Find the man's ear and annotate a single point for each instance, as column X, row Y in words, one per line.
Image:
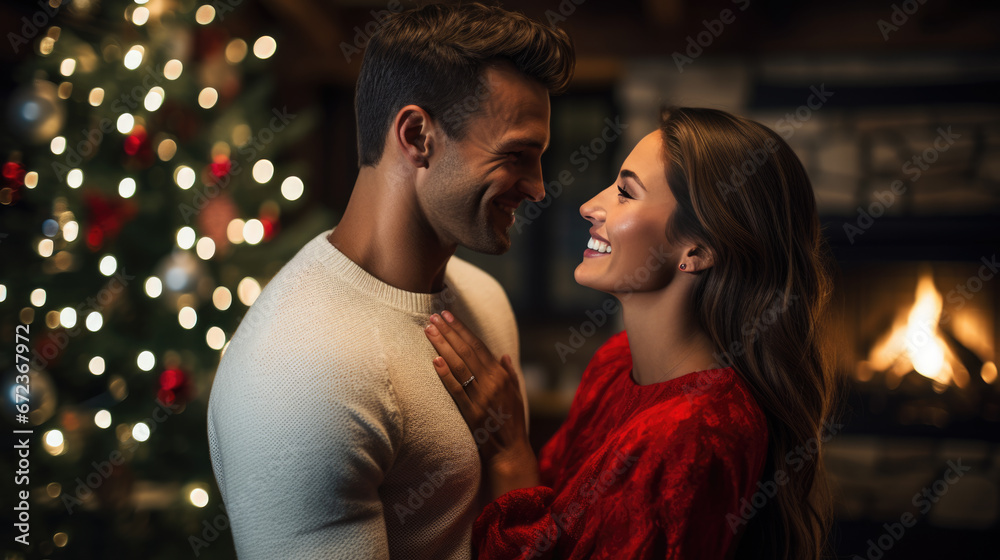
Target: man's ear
column 696, row 258
column 414, row 134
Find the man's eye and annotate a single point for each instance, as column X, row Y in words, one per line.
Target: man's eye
column 623, row 192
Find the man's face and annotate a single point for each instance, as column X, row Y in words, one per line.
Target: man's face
column 473, row 186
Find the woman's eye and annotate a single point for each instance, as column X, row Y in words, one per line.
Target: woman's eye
column 623, row 192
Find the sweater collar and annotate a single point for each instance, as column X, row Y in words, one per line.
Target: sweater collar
column 355, row 276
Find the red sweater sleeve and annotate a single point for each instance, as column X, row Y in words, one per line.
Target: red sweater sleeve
column 511, row 525
column 687, row 505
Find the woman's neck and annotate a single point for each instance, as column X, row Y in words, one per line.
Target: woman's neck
column 663, row 335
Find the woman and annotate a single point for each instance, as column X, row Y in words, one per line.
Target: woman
column 697, row 432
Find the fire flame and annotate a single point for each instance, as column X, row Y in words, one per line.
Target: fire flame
column 915, row 344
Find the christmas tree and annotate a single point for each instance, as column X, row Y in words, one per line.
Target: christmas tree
column 140, row 215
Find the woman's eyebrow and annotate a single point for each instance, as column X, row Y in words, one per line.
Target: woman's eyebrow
column 631, row 175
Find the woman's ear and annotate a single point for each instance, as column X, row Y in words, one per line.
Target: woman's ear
column 413, row 132
column 696, row 259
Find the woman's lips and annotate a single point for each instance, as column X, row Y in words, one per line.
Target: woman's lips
column 597, row 248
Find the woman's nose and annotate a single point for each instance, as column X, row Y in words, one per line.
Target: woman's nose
column 593, row 209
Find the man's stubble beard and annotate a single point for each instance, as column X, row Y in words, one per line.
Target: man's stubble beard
column 462, row 211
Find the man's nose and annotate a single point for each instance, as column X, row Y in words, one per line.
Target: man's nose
column 533, row 186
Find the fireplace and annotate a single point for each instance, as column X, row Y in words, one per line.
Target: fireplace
column 919, row 337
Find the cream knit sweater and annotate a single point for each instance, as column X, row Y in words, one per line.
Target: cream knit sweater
column 330, row 434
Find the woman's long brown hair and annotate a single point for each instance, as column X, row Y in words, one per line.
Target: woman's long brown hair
column 743, row 195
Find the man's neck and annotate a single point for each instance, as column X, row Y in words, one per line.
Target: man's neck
column 384, row 232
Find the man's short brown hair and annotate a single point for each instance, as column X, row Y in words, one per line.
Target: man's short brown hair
column 434, row 57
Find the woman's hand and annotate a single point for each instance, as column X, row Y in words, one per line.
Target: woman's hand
column 488, row 394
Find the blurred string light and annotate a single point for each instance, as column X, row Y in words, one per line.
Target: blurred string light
column 253, row 231
column 96, row 365
column 54, row 442
column 234, row 231
column 187, row 317
column 58, row 145
column 31, row 179
column 145, row 360
column 126, row 188
column 67, row 317
column 247, row 290
column 37, row 297
column 133, row 58
column 140, row 15
column 236, row 51
column 108, row 265
column 205, row 14
column 292, row 188
column 207, row 98
column 205, row 248
column 264, row 47
column 96, row 97
column 172, row 69
column 74, row 178
column 94, row 321
column 45, row 248
column 215, row 338
column 102, row 419
column 263, row 170
column 184, row 176
column 166, row 150
column 71, row 230
column 198, row 497
column 46, row 45
column 153, row 99
column 222, row 298
column 125, row 124
column 153, row 287
column 67, row 66
column 65, row 90
column 140, row 431
column 185, row 237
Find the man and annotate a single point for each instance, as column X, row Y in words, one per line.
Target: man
column 331, row 435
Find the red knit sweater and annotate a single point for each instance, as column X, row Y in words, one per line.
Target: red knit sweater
column 637, row 471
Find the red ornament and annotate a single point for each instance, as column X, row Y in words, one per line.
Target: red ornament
column 132, row 144
column 105, row 217
column 270, row 220
column 270, row 227
column 220, row 166
column 95, row 238
column 13, row 179
column 175, row 387
column 14, row 173
column 137, row 145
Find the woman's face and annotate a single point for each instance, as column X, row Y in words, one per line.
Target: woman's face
column 628, row 246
